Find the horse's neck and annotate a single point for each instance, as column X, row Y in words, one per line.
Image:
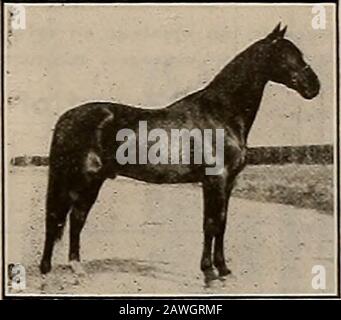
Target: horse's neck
column 237, row 91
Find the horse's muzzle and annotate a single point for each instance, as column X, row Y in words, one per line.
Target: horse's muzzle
column 308, row 83
column 311, row 92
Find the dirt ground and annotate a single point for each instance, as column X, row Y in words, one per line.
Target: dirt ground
column 147, row 239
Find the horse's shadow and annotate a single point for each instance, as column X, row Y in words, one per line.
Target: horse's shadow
column 62, row 275
column 117, row 265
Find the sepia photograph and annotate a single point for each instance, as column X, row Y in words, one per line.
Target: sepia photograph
column 170, row 150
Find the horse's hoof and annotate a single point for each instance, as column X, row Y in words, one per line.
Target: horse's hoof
column 45, row 267
column 224, row 271
column 210, row 275
column 77, row 268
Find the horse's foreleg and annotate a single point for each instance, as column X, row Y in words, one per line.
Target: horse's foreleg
column 83, row 200
column 219, row 257
column 214, row 189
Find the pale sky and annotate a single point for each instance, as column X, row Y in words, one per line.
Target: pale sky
column 152, row 56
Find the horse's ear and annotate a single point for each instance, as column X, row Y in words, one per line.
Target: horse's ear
column 282, row 32
column 277, row 33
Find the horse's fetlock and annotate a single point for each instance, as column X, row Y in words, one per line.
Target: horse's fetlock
column 206, row 264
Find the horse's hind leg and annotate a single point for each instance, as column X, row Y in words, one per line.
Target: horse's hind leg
column 83, row 200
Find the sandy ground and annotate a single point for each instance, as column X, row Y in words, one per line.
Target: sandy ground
column 143, row 238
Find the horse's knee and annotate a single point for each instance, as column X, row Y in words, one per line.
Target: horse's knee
column 214, row 226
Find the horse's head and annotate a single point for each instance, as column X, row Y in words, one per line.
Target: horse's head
column 287, row 66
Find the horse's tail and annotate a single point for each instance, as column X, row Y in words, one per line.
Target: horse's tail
column 58, row 198
column 58, row 202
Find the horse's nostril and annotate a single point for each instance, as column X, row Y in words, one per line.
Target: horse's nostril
column 316, row 87
column 313, row 91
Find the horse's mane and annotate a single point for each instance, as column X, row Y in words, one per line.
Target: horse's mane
column 240, row 68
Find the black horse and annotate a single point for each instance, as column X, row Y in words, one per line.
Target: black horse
column 82, row 154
